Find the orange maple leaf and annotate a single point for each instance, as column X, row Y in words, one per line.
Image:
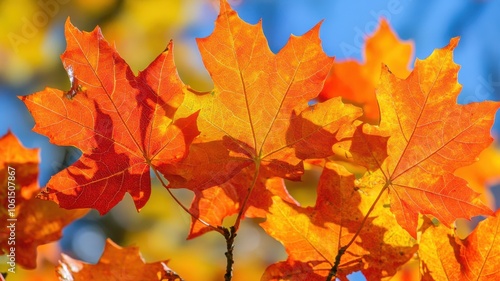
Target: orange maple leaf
column 122, row 123
column 115, row 264
column 356, row 83
column 33, row 221
column 257, row 116
column 445, row 257
column 313, row 236
column 430, row 137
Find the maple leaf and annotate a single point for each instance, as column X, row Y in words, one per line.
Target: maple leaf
column 115, row 264
column 312, row 236
column 123, row 124
column 430, row 137
column 445, row 257
column 34, row 221
column 356, row 83
column 437, row 245
column 253, row 116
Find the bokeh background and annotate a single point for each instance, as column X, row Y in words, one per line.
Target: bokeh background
column 32, row 39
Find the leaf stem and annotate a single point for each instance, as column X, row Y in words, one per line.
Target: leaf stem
column 230, row 233
column 247, row 197
column 184, row 207
column 197, row 92
column 333, row 271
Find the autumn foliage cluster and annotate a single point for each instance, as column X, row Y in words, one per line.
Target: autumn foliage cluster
column 387, row 141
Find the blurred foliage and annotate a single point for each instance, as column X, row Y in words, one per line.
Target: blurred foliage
column 34, row 37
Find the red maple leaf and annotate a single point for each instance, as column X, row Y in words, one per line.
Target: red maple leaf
column 123, row 124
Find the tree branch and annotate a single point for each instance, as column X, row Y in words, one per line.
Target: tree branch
column 247, row 197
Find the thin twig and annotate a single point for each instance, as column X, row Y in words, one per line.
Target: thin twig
column 342, row 250
column 229, row 234
column 184, row 207
column 197, row 92
column 333, row 270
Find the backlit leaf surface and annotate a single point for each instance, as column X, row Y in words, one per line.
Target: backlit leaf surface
column 312, row 236
column 430, row 137
column 256, row 116
column 115, row 264
column 122, row 123
column 445, row 257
